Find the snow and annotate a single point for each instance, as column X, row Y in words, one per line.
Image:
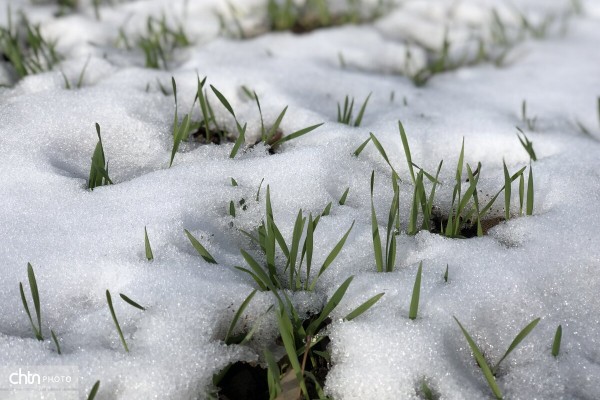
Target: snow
column 83, row 242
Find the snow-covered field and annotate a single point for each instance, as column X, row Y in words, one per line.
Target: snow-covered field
column 81, row 242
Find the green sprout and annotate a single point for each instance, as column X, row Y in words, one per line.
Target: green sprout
column 99, row 169
column 414, row 302
column 344, row 116
column 556, row 341
column 148, row 248
column 35, row 295
column 114, row 317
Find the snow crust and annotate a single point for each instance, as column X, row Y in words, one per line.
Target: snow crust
column 82, row 243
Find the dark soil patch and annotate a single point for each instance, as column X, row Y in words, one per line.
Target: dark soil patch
column 244, row 381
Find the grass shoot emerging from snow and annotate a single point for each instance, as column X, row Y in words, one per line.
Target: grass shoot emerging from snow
column 30, row 53
column 99, row 169
column 345, row 116
column 114, row 317
column 490, row 372
column 35, row 295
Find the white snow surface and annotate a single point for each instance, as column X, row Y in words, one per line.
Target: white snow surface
column 83, row 242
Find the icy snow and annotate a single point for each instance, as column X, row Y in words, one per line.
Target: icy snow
column 82, row 243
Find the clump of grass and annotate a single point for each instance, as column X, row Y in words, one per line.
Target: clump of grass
column 99, row 169
column 208, row 131
column 35, row 295
column 114, row 317
column 160, row 41
column 296, row 253
column 344, row 115
column 465, row 215
column 490, row 372
column 303, row 341
column 28, row 53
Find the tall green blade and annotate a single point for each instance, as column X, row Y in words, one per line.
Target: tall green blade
column 335, row 299
column 507, row 188
column 236, row 317
column 361, row 112
column 375, row 231
column 114, row 317
column 556, row 342
column 223, row 100
column 275, row 126
column 332, row 255
column 487, row 372
column 517, row 340
column 406, row 150
column 529, row 209
column 414, row 302
column 36, row 297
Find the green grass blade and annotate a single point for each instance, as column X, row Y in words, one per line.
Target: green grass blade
column 131, row 302
column 517, row 340
column 361, row 112
column 342, row 200
column 381, row 150
column 446, row 274
column 114, row 317
column 529, row 207
column 148, row 248
column 296, row 236
column 507, row 187
column 332, row 255
column 556, row 342
column 232, row 209
column 36, row 298
column 236, row 317
column 363, row 307
column 296, row 134
column 241, row 139
column 275, row 126
column 223, row 100
column 521, row 194
column 258, row 280
column 487, row 372
column 309, row 245
column 287, row 336
column 199, row 248
column 55, row 342
column 273, row 375
column 95, row 388
column 335, row 299
column 233, row 182
column 24, row 300
column 414, row 302
column 406, row 150
column 361, row 147
column 375, row 231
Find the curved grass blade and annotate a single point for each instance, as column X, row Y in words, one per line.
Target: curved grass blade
column 363, row 307
column 375, row 231
column 406, row 150
column 507, row 187
column 335, row 299
column 296, row 134
column 239, row 141
column 332, row 255
column 361, row 147
column 518, row 339
column 131, row 302
column 258, row 281
column 236, row 317
column 199, row 248
column 487, row 372
column 114, row 317
column 414, row 302
column 361, row 113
